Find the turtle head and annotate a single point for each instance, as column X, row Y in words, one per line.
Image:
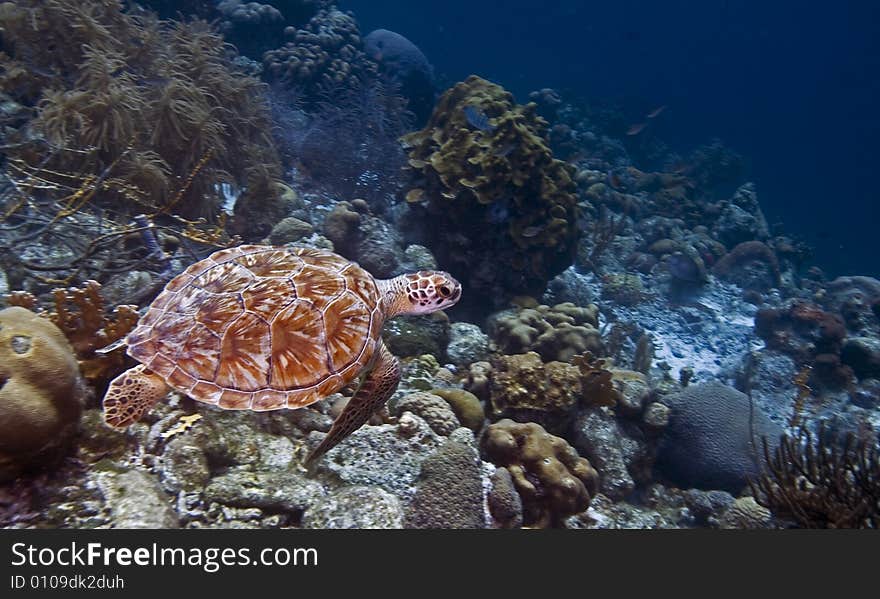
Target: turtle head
column 421, row 293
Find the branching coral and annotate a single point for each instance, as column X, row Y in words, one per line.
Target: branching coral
column 745, row 253
column 502, row 210
column 820, row 483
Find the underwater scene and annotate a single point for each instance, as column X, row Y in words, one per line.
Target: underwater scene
column 375, row 264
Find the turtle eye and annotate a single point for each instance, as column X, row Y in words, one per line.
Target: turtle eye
column 444, row 291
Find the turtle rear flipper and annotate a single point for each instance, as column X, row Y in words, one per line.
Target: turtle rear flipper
column 131, row 394
column 378, row 386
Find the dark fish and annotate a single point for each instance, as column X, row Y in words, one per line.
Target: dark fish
column 477, row 118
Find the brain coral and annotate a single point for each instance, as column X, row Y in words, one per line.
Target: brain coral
column 502, row 210
column 41, row 392
column 552, row 479
column 713, row 440
column 524, row 388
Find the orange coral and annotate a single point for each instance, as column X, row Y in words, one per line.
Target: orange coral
column 81, row 315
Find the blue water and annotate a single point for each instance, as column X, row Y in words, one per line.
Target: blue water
column 792, row 86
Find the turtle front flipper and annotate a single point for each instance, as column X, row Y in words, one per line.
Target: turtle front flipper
column 131, row 394
column 378, row 385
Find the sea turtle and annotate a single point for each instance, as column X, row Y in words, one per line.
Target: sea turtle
column 264, row 328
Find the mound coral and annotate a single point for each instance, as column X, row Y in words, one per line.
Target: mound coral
column 820, row 483
column 502, row 210
column 556, row 333
column 323, row 53
column 552, row 479
column 154, row 112
column 713, row 438
column 449, row 491
column 81, row 314
column 809, row 335
column 524, row 388
column 41, row 393
column 730, row 267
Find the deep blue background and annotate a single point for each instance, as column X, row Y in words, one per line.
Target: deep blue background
column 793, row 86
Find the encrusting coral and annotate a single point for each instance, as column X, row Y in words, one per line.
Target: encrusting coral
column 325, row 52
column 148, row 107
column 41, row 393
column 525, row 388
column 500, row 207
column 552, row 479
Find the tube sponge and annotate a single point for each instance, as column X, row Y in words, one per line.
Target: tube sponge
column 41, row 393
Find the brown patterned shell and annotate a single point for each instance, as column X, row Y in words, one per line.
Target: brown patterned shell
column 261, row 328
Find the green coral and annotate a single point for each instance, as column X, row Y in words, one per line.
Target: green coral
column 553, row 481
column 493, row 192
column 41, row 393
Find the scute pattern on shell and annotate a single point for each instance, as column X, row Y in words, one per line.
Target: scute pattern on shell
column 261, row 328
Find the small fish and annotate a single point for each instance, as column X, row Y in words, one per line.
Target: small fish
column 477, row 118
column 529, row 232
column 656, row 112
column 636, row 129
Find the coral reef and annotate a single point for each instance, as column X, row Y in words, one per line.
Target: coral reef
column 467, row 344
column 497, row 205
column 41, row 393
column 505, row 504
column 810, row 336
column 156, row 113
column 552, row 480
column 736, row 264
column 433, row 409
column 466, row 406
